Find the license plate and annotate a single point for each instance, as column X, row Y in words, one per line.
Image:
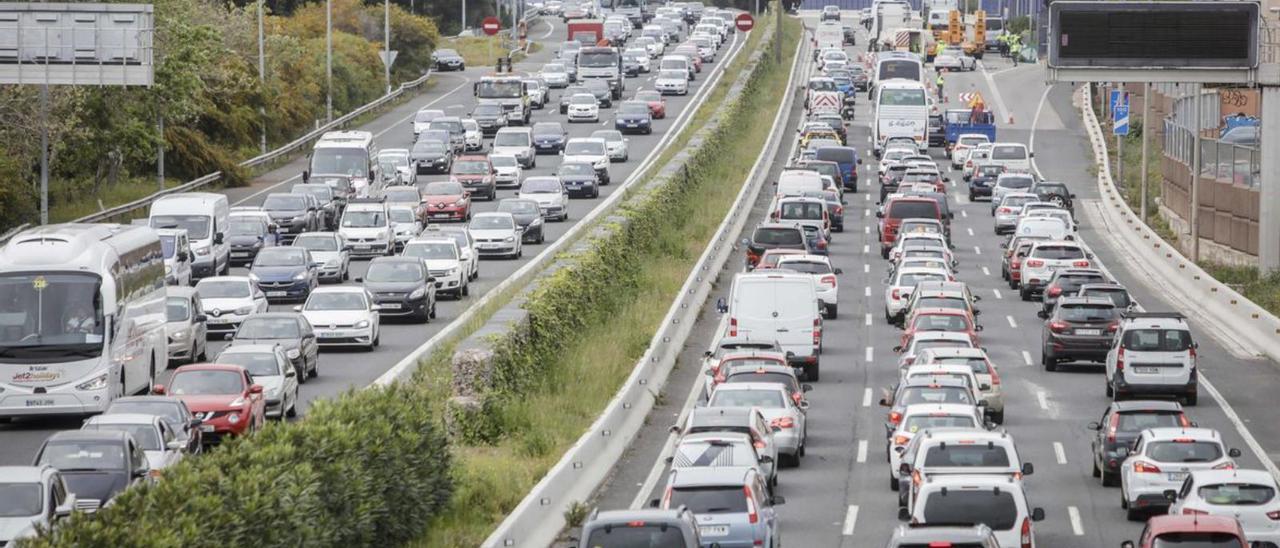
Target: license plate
column 329, row 335
column 713, row 530
column 206, row 428
column 1146, row 370
column 1088, row 332
column 488, row 246
column 240, row 254
column 632, row 124
column 390, row 306
column 364, row 247
column 1177, row 476
column 40, row 402
column 217, row 321
column 277, row 293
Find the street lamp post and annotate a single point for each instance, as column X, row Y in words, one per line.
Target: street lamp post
column 328, row 60
column 262, row 78
column 386, row 42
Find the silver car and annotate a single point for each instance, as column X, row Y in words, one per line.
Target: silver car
column 154, row 434
column 331, row 256
column 270, row 368
column 1008, row 208
column 185, row 325
column 784, row 414
column 731, row 504
column 724, row 449
column 614, row 142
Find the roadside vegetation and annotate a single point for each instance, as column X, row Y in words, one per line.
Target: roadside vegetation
column 556, row 403
column 481, row 51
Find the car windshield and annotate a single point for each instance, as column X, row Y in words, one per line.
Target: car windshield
column 222, row 289
column 402, row 194
column 20, row 500
column 177, row 309
column 1008, row 152
column 316, row 243
column 672, row 74
column 1157, row 340
column 246, row 227
column 197, row 226
column 1184, row 451
column 967, row 454
column 424, row 116
column 912, row 395
column 765, row 399
column 269, row 328
column 429, row 147
column 281, row 256
column 168, row 246
column 284, row 202
column 994, row 507
column 803, row 210
column 1087, row 313
column 1057, row 252
column 648, row 96
column 487, row 110
column 321, row 192
column 1236, row 494
column 902, row 97
column 364, row 219
column 547, row 129
column 1018, row 183
column 584, row 148
column 710, row 500
column 1118, row 296
column 443, row 189
column 401, row 215
column 434, row 250
column 395, row 271
column 492, row 222
column 259, row 364
column 83, row 455
column 169, row 411
column 1196, row 540
column 553, row 68
column 519, row 207
column 575, row 169
column 582, row 99
column 989, row 171
column 609, row 135
column 451, row 126
column 778, row 237
column 511, row 139
column 540, row 186
column 916, row 423
column 788, row 381
column 198, row 382
column 499, row 160
column 337, row 300
column 145, row 434
column 942, row 302
column 911, row 279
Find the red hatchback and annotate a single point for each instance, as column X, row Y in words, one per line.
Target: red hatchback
column 1202, row 531
column 657, row 104
column 223, row 397
column 950, row 320
column 447, row 201
column 903, row 208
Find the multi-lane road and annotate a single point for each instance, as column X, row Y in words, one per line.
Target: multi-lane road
column 452, row 92
column 840, row 496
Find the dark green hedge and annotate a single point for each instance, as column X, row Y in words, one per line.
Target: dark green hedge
column 366, row 469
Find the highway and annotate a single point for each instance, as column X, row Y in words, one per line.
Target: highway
column 840, row 496
column 450, row 91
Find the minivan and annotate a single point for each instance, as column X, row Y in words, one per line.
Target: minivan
column 518, row 142
column 778, row 305
column 177, row 256
column 205, row 216
column 1013, row 156
column 847, row 159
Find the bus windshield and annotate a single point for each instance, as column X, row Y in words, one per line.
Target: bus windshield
column 902, row 97
column 344, row 161
column 49, row 317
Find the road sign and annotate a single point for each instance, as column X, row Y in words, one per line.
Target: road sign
column 744, row 21
column 382, row 54
column 491, row 25
column 1119, row 112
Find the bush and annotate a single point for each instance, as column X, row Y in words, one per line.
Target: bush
column 365, row 469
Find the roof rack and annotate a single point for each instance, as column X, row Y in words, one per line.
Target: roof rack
column 1136, row 315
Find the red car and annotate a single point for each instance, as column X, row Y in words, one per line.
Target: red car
column 223, row 397
column 657, row 104
column 951, row 320
column 477, row 176
column 896, row 210
column 770, row 257
column 447, row 201
column 1198, row 530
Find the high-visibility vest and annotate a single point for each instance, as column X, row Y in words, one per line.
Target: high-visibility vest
column 940, row 81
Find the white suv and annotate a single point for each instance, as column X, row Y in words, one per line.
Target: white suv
column 956, row 451
column 444, row 261
column 1044, row 258
column 1152, row 353
column 366, row 228
column 1161, row 459
column 997, row 501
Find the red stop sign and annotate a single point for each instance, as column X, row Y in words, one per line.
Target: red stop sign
column 491, row 25
column 744, row 21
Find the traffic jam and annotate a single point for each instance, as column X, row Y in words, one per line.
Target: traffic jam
column 203, row 320
column 951, row 464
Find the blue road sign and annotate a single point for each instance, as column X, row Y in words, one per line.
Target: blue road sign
column 1119, row 112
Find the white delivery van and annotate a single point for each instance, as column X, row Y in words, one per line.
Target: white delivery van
column 778, row 306
column 796, row 182
column 176, row 247
column 828, row 36
column 1014, row 157
column 205, row 216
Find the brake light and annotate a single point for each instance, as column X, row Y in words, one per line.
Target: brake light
column 901, row 440
column 1055, row 291
column 1225, row 466
column 1081, row 264
column 1274, row 515
column 995, row 377
column 1026, row 533
column 759, row 444
column 895, row 417
column 895, row 295
column 1111, row 428
column 733, row 327
column 1004, row 210
column 637, row 523
column 795, row 397
column 828, row 280
column 752, row 514
column 1193, row 512
column 1035, row 263
column 1113, row 326
column 783, row 422
column 1143, row 467
column 839, row 210
column 822, row 244
column 1057, row 326
column 1120, row 360
column 666, row 498
column 1016, row 264
column 817, row 332
column 1182, row 419
column 1192, row 352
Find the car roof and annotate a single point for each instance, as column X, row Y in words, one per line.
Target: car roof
column 922, row 533
column 123, row 418
column 180, row 291
column 952, row 433
column 88, row 435
column 939, row 335
column 1075, row 299
column 1234, row 475
column 721, row 416
column 939, row 311
column 1131, row 406
column 1169, row 523
column 1155, row 320
column 148, row 399
column 983, row 481
column 751, row 386
column 645, row 514
column 1174, row 432
column 338, row 289
column 736, row 437
column 709, row 476
column 937, row 382
column 753, row 354
column 947, row 408
column 209, row 367
column 248, row 348
column 241, row 279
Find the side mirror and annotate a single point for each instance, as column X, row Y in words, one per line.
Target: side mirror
column 290, row 372
column 229, row 337
column 217, row 238
column 1037, row 514
column 806, row 387
column 255, row 389
column 777, row 500
column 182, row 256
column 804, row 404
column 879, row 214
column 305, row 175
column 1028, row 469
column 297, row 308
column 358, row 279
column 1095, row 426
column 1042, row 314
column 884, row 402
column 1170, row 495
column 140, row 472
column 194, row 423
column 766, row 459
column 839, row 271
column 904, row 514
column 977, row 328
column 158, row 390
column 200, row 318
column 174, row 445
column 722, row 307
column 982, row 403
column 654, row 503
column 1233, row 453
column 897, row 348
column 64, row 509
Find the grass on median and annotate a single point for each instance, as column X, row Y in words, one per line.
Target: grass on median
column 479, row 51
column 491, row 480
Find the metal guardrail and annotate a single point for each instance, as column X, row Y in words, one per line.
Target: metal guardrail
column 13, row 232
column 291, row 147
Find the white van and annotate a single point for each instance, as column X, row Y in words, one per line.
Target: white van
column 794, row 182
column 345, row 154
column 518, row 142
column 205, row 216
column 366, row 228
column 782, row 307
column 1014, row 157
column 177, row 256
column 829, row 35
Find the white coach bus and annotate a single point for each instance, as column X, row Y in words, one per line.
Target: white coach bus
column 82, row 314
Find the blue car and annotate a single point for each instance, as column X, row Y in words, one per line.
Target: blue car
column 285, row 273
column 847, row 159
column 633, row 117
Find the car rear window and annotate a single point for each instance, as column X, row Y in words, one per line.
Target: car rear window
column 1157, row 340
column 998, row 510
column 710, row 500
column 920, row 422
column 978, row 365
column 841, row 155
column 1071, row 282
column 907, row 209
column 765, row 399
column 1196, row 540
column 778, row 236
column 1184, row 451
column 942, row 302
column 788, row 381
column 1119, row 297
column 1058, row 252
column 803, row 210
column 1139, row 421
column 949, row 544
column 807, row 267
column 934, row 394
column 1087, row 313
column 967, row 454
column 1008, row 152
column 1016, row 182
column 1236, row 494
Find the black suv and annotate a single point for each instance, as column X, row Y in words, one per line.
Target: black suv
column 1066, row 282
column 1080, row 328
column 1053, row 191
column 1120, row 426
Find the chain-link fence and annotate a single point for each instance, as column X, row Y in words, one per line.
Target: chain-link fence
column 1239, row 164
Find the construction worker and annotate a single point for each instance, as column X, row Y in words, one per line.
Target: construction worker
column 1015, row 50
column 1003, row 40
column 937, row 49
column 940, row 81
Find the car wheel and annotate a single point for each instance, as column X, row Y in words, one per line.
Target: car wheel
column 813, row 372
column 893, row 482
column 1191, row 400
column 466, row 289
column 293, row 407
column 833, row 310
column 1050, row 363
column 432, row 312
column 301, row 372
column 1024, row 294
column 1108, row 479
column 1097, row 472
column 1110, row 391
column 998, row 417
column 315, row 368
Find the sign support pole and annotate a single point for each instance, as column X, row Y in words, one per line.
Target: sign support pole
column 1195, row 178
column 1269, row 193
column 44, row 154
column 1146, row 130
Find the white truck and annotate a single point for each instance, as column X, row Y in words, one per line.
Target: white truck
column 828, row 35
column 887, row 15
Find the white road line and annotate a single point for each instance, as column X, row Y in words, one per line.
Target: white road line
column 1031, row 140
column 866, row 267
column 867, row 197
column 995, row 92
column 970, row 231
column 985, row 271
column 998, row 294
column 1043, row 399
column 866, row 248
column 862, row 451
column 1026, row 357
column 850, row 520
column 866, row 397
column 871, row 352
column 964, row 213
column 550, row 29
column 977, row 250
column 866, row 230
column 1059, row 452
column 866, row 212
column 1073, row 514
column 866, row 291
column 1012, row 323
column 868, row 318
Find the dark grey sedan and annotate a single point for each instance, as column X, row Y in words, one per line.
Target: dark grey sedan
column 528, row 215
column 401, row 287
column 291, row 331
column 431, row 156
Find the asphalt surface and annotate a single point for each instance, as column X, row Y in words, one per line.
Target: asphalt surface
column 839, row 496
column 451, row 91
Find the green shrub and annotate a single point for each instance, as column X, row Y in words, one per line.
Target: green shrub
column 365, row 469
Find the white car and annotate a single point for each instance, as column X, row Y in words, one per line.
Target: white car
column 776, row 406
column 28, row 515
column 550, row 194
column 444, row 262
column 366, row 228
column 958, row 451
column 999, row 501
column 825, row 280
column 472, row 138
column 591, row 150
column 185, row 325
column 830, row 56
column 518, row 142
column 965, row 143
column 1161, row 459
column 342, row 316
column 930, row 339
column 642, row 57
column 652, row 46
column 954, row 59
column 1044, row 258
column 228, row 300
column 466, row 246
column 984, row 371
column 1011, row 182
column 1249, row 496
column 922, row 416
column 506, row 170
column 154, row 435
column 332, row 259
column 555, row 75
column 898, row 289
column 537, row 92
column 405, row 224
column 614, row 143
column 583, row 108
column 672, row 82
column 271, row 368
column 423, row 119
column 497, row 234
column 396, row 166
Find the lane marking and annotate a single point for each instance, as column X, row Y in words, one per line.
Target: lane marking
column 862, row 451
column 1035, row 121
column 1043, row 399
column 866, row 212
column 870, row 354
column 998, row 294
column 868, row 318
column 866, row 230
column 970, row 231
column 1060, row 452
column 1026, row 357
column 866, row 248
column 866, row 291
column 866, row 397
column 985, row 272
column 977, row 250
column 1012, row 323
column 995, row 92
column 850, row 519
column 868, row 197
column 964, row 213
column 1073, row 514
column 866, row 267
